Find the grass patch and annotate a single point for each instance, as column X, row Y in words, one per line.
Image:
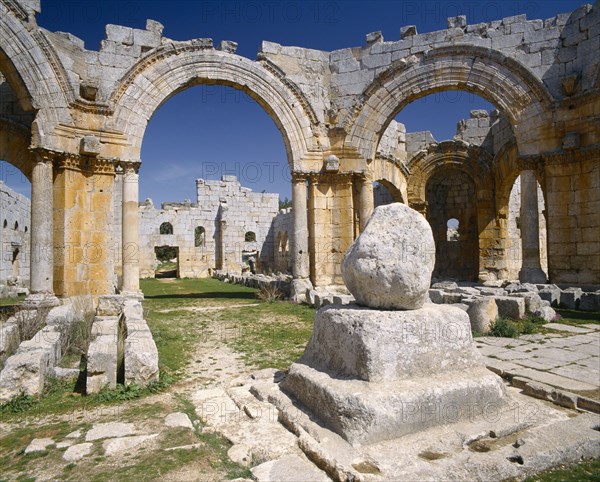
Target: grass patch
column 12, row 301
column 582, row 472
column 270, row 334
column 509, row 328
column 576, row 317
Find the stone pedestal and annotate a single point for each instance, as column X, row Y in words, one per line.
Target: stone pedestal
column 373, row 375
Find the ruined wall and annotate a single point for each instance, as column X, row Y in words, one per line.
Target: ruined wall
column 226, row 211
column 15, row 215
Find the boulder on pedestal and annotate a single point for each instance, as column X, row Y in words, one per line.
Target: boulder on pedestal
column 376, row 374
column 389, row 265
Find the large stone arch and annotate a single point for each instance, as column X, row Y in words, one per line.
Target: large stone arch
column 34, row 72
column 506, row 83
column 175, row 67
column 473, row 160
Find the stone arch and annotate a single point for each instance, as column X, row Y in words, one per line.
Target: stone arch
column 34, row 72
column 506, row 83
column 178, row 66
column 473, row 160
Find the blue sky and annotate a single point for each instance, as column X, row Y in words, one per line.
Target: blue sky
column 207, row 131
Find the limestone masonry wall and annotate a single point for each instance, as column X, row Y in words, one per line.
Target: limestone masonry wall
column 15, row 212
column 226, row 223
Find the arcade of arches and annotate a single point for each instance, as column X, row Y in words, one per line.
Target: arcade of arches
column 73, row 121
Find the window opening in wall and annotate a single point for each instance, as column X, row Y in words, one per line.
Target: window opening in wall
column 166, row 228
column 452, row 230
column 200, row 236
column 16, row 225
column 250, row 237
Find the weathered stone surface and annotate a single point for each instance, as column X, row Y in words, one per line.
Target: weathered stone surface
column 374, row 345
column 298, row 290
column 510, row 307
column 108, row 430
column 178, row 419
column 38, row 445
column 395, row 274
column 121, row 446
column 288, row 469
column 103, row 354
column 77, row 452
column 364, row 413
column 482, row 314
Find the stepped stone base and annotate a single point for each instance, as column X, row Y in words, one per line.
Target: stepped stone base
column 372, row 375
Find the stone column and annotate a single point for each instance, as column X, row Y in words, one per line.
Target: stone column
column 300, row 260
column 130, row 231
column 531, row 270
column 42, row 235
column 367, row 202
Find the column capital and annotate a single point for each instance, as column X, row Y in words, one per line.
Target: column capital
column 128, row 167
column 299, row 177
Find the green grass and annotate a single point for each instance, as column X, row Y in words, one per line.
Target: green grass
column 12, row 301
column 505, row 327
column 576, row 317
column 266, row 334
column 582, row 472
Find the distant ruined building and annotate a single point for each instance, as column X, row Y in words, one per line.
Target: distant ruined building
column 73, row 120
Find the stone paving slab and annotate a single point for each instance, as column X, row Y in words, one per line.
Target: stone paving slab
column 569, row 361
column 567, row 328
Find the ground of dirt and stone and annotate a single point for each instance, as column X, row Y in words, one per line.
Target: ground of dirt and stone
column 220, row 415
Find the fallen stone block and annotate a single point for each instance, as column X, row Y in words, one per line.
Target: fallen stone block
column 533, row 302
column 510, row 307
column 570, row 298
column 590, row 302
column 103, row 354
column 482, row 314
column 436, row 296
column 550, row 293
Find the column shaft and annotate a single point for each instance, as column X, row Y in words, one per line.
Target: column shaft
column 131, row 249
column 531, row 270
column 300, row 261
column 42, row 232
column 367, row 202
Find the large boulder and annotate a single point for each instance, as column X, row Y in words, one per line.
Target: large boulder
column 389, row 265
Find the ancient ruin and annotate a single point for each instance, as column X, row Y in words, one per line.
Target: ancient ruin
column 83, row 113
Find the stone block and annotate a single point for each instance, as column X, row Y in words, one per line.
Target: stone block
column 89, row 145
column 24, row 374
column 103, row 354
column 589, row 301
column 365, row 413
column 533, row 302
column 408, row 31
column 570, row 298
column 550, row 293
column 482, row 314
column 510, row 307
column 119, row 34
column 140, row 358
column 375, row 345
column 460, row 21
